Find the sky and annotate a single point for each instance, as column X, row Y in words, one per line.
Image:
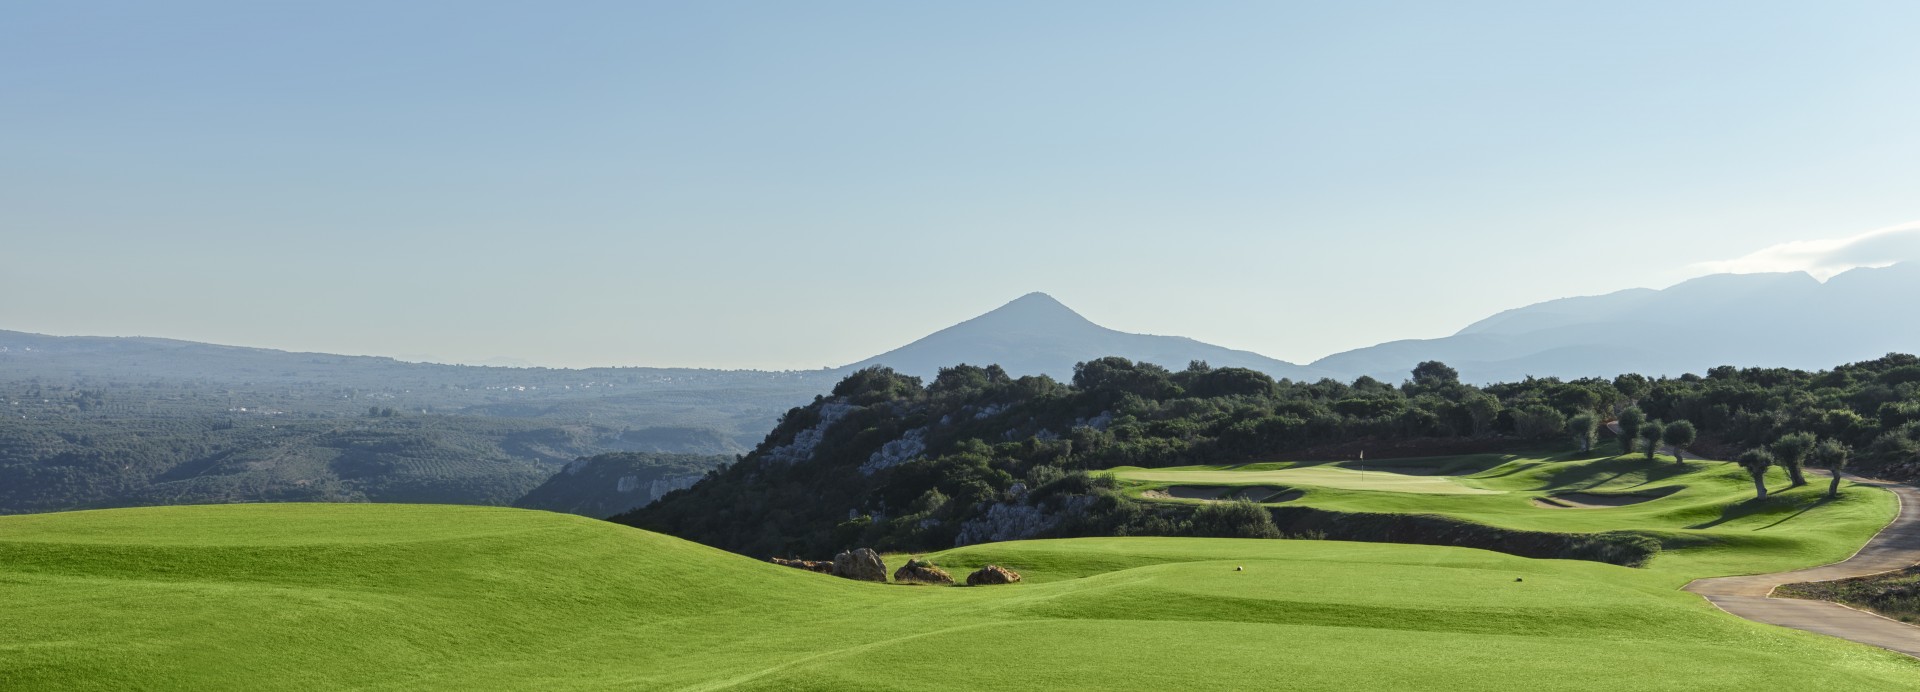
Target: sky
column 801, row 185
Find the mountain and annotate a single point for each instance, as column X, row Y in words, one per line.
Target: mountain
column 1036, row 334
column 1750, row 320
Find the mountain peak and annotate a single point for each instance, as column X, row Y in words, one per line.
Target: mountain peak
column 1036, row 334
column 1033, row 312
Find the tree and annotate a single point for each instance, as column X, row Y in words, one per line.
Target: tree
column 1630, row 421
column 1484, row 409
column 1434, row 373
column 1650, row 434
column 1756, row 461
column 1790, row 452
column 1539, row 421
column 1632, row 386
column 1679, row 435
column 1585, row 428
column 1832, row 454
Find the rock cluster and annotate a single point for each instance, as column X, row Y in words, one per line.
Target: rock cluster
column 922, row 572
column 860, row 563
column 992, row 574
column 821, row 566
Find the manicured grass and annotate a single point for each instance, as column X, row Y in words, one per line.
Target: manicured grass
column 1709, row 522
column 406, row 597
column 1323, row 476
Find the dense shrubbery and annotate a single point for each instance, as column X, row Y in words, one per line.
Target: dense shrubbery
column 978, row 455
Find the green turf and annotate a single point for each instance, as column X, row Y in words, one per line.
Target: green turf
column 1323, row 476
column 399, row 597
column 1709, row 521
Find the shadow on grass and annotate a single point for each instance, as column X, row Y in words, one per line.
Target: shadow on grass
column 1773, row 503
column 1433, row 466
column 1604, row 471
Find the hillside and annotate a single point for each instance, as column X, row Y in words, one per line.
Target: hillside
column 977, row 455
column 263, row 597
column 608, row 484
column 116, row 462
column 1037, row 335
column 1747, row 320
column 42, row 376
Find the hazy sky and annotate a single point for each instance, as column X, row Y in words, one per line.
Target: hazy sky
column 808, row 184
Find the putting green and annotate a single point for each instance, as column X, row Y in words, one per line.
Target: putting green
column 267, row 597
column 1322, row 476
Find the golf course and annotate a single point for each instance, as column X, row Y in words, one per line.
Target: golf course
column 299, row 596
column 1702, row 512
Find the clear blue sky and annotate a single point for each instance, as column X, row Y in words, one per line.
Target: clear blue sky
column 807, row 184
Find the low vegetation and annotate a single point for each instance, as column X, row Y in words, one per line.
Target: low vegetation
column 1893, row 594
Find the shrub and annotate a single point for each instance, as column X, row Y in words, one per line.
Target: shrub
column 1237, row 519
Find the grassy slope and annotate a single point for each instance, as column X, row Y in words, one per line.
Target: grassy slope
column 1711, row 525
column 396, row 596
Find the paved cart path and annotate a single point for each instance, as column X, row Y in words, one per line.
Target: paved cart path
column 1896, row 547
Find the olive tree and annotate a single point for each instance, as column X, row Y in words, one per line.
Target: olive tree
column 1630, row 421
column 1650, row 433
column 1790, row 452
column 1756, row 462
column 1585, row 428
column 1679, row 435
column 1832, row 454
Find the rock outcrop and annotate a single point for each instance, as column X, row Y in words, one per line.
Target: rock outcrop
column 992, row 574
column 821, row 566
column 860, row 563
column 922, row 572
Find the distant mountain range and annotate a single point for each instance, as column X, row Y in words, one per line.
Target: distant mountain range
column 1760, row 320
column 107, row 421
column 1035, row 334
column 1763, row 320
column 1771, row 320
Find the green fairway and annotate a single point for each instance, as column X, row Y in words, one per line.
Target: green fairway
column 1323, row 476
column 1702, row 511
column 303, row 596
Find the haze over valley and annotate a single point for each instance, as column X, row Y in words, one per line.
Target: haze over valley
column 1074, row 345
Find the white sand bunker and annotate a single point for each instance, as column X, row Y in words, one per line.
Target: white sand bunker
column 1218, row 493
column 1601, row 500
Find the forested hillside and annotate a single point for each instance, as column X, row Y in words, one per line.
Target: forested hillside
column 91, row 422
column 124, row 462
column 608, row 484
column 977, row 456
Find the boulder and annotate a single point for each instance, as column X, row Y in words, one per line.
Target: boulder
column 922, row 572
column 821, row 566
column 992, row 574
column 860, row 563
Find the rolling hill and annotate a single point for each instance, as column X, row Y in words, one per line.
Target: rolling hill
column 300, row 596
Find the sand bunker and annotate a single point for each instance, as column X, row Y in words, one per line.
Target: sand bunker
column 1600, row 500
column 1218, row 493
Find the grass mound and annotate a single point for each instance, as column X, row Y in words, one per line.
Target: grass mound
column 438, row 597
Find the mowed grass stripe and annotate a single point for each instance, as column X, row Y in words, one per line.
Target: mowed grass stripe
column 416, row 597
